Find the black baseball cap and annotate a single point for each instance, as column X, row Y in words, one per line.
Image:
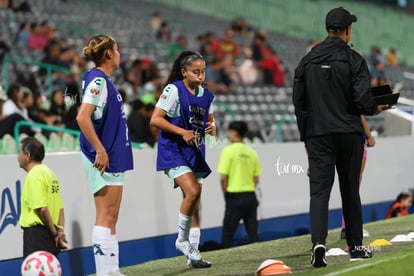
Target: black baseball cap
column 338, row 19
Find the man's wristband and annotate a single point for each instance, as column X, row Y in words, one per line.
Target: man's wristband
column 60, row 227
column 55, row 235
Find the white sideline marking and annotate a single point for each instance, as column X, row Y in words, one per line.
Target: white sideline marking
column 364, row 265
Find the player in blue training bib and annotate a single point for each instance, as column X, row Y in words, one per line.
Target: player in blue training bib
column 184, row 115
column 106, row 148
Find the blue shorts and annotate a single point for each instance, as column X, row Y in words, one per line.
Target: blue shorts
column 178, row 171
column 97, row 180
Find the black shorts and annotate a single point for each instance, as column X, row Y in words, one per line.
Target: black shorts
column 37, row 238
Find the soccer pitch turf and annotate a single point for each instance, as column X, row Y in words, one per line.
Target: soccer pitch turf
column 394, row 259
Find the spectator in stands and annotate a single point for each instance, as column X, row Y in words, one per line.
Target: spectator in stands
column 126, row 105
column 52, row 56
column 240, row 27
column 14, row 110
column 155, row 21
column 68, row 79
column 4, row 48
column 138, row 124
column 15, row 5
column 66, row 57
column 164, row 33
column 1, row 110
column 179, row 46
column 259, row 47
column 272, row 70
column 248, row 72
column 230, row 71
column 205, row 42
column 37, row 39
column 377, row 62
column 2, row 100
column 225, row 45
column 49, row 32
column 71, row 84
column 22, row 36
column 149, row 71
column 14, row 103
column 400, row 206
column 142, row 78
column 58, row 106
column 70, row 120
column 33, row 103
column 216, row 79
column 150, row 91
column 391, row 58
column 132, row 80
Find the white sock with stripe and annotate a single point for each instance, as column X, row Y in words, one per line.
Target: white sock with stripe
column 101, row 241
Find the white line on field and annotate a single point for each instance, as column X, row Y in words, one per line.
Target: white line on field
column 364, row 265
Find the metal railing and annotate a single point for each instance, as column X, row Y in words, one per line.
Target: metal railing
column 76, row 133
column 49, row 68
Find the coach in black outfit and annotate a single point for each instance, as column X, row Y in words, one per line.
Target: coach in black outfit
column 331, row 90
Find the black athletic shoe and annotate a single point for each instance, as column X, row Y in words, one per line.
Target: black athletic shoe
column 360, row 253
column 343, row 234
column 198, row 264
column 318, row 256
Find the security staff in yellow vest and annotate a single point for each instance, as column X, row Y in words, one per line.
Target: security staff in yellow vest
column 42, row 217
column 240, row 169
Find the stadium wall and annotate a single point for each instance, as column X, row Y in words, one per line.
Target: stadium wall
column 148, row 220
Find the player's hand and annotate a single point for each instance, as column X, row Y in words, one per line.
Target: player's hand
column 211, row 129
column 370, row 142
column 61, row 241
column 101, row 161
column 189, row 137
column 382, row 107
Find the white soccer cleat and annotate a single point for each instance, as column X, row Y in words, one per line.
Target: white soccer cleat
column 188, row 250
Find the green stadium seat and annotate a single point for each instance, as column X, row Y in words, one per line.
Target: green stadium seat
column 54, row 142
column 68, row 142
column 42, row 138
column 22, row 136
column 8, row 144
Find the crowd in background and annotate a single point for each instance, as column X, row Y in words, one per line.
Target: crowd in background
column 240, row 55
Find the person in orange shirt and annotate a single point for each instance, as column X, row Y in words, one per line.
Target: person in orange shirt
column 391, row 58
column 400, row 206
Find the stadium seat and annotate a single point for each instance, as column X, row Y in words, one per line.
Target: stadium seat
column 54, row 142
column 42, row 138
column 8, row 144
column 22, row 136
column 68, row 142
